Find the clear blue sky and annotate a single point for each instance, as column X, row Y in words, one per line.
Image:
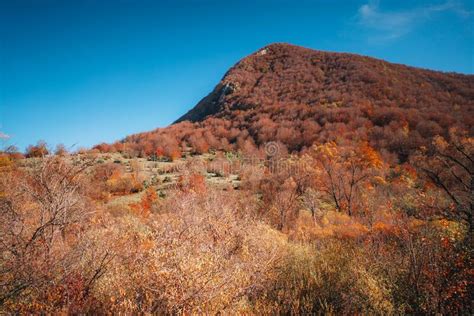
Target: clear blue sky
column 88, row 71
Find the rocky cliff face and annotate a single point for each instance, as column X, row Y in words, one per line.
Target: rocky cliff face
column 209, row 105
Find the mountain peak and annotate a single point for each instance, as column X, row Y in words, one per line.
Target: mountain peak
column 280, row 46
column 282, row 73
column 300, row 96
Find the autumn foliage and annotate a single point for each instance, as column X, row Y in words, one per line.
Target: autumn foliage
column 299, row 97
column 336, row 230
column 362, row 203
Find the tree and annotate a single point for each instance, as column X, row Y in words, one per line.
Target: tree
column 38, row 150
column 341, row 171
column 198, row 143
column 281, row 190
column 60, row 150
column 449, row 165
column 43, row 211
column 146, row 204
column 311, row 200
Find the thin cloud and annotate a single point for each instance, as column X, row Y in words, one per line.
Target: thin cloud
column 4, row 136
column 390, row 25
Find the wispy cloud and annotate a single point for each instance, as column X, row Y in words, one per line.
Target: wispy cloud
column 4, row 136
column 390, row 25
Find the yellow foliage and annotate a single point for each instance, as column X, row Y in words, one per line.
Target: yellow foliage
column 452, row 229
column 5, row 161
column 380, row 180
column 415, row 223
column 385, row 228
column 333, row 224
column 324, row 221
column 312, row 280
column 337, row 218
column 353, row 230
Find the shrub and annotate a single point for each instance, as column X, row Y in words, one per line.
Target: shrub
column 330, row 278
column 38, row 150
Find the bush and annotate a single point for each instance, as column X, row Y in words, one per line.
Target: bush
column 329, row 278
column 39, row 150
column 199, row 253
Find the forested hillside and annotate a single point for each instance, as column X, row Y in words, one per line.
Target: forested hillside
column 306, row 183
column 298, row 96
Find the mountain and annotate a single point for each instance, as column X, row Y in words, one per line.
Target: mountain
column 284, row 73
column 298, row 96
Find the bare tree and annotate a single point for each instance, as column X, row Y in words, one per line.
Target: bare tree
column 41, row 209
column 450, row 166
column 341, row 171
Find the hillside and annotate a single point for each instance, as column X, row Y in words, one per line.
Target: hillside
column 299, row 96
column 179, row 221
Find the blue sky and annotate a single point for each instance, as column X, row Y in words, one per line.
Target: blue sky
column 91, row 71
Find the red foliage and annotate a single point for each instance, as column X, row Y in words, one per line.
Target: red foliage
column 194, row 182
column 144, row 207
column 299, row 96
column 38, row 150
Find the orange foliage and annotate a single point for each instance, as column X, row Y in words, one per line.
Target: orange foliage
column 194, row 182
column 300, row 97
column 38, row 150
column 144, row 207
column 343, row 171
